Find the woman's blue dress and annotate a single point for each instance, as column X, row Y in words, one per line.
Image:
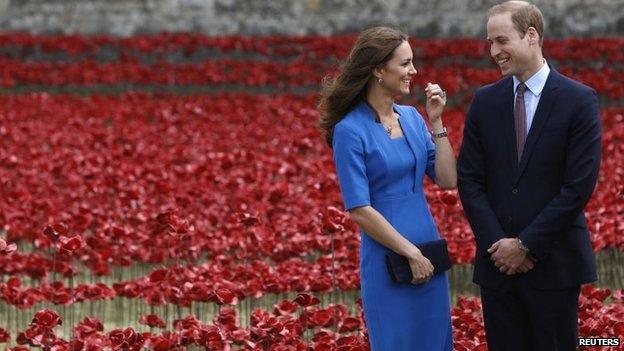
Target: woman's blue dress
column 387, row 174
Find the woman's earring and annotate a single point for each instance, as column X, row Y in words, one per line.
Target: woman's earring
column 380, row 80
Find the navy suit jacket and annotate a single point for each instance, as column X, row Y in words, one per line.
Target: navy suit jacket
column 539, row 199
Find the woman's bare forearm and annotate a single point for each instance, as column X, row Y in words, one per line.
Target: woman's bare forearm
column 445, row 163
column 376, row 226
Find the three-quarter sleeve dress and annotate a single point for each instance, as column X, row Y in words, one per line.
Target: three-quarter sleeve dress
column 387, row 174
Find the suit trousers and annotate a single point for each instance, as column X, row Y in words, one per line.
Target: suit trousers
column 523, row 318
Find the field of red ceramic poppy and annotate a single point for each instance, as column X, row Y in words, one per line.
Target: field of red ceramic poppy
column 171, row 192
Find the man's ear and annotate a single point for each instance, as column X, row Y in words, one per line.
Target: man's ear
column 533, row 36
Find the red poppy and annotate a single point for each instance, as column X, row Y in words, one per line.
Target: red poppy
column 4, row 336
column 7, row 248
column 46, row 319
column 306, row 300
column 152, row 321
column 71, row 244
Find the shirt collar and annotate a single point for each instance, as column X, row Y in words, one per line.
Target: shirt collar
column 537, row 82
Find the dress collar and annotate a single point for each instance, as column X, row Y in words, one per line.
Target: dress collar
column 367, row 105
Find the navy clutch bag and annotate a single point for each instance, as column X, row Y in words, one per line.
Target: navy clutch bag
column 436, row 251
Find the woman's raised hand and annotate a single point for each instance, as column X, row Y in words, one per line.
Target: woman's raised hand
column 436, row 100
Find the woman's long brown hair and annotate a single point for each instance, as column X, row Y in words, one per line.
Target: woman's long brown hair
column 373, row 48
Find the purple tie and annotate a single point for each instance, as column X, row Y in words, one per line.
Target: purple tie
column 520, row 120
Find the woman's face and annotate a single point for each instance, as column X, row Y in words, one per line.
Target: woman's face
column 399, row 70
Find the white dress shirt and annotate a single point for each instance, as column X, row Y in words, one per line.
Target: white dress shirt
column 532, row 94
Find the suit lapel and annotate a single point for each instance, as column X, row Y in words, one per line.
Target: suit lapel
column 549, row 95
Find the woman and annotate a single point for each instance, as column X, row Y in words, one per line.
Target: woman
column 382, row 151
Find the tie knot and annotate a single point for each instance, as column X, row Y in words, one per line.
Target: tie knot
column 521, row 88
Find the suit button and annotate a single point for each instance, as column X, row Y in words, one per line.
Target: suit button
column 514, row 191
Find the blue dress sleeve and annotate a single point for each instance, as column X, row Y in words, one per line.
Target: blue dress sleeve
column 349, row 160
column 429, row 146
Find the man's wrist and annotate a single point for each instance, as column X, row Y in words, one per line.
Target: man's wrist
column 522, row 247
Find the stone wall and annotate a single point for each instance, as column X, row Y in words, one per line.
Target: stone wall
column 421, row 18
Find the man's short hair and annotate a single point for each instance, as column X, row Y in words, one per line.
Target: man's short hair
column 523, row 16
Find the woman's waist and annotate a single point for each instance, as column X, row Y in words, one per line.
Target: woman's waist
column 383, row 197
column 415, row 236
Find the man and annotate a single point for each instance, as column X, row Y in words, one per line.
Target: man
column 527, row 167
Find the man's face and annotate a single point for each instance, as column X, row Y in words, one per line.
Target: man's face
column 511, row 52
